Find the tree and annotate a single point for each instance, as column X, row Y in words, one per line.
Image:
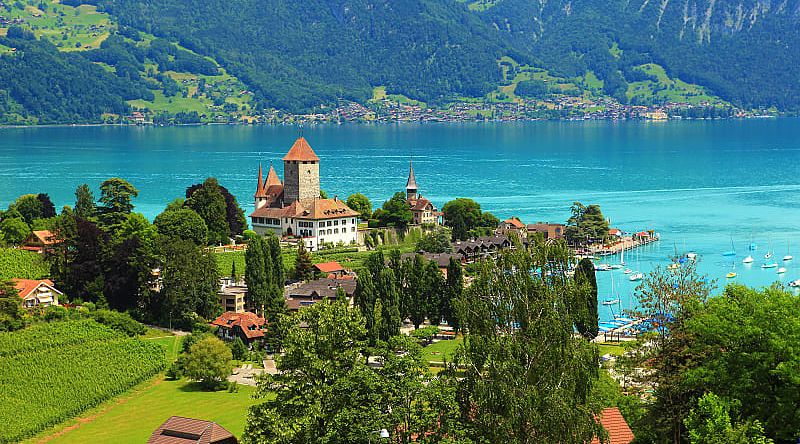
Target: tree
column 324, row 391
column 361, row 204
column 208, row 362
column 85, row 208
column 435, row 242
column 587, row 325
column 465, row 218
column 191, row 284
column 14, row 230
column 209, row 202
column 130, row 259
column 586, row 223
column 273, row 264
column 183, row 223
column 255, row 274
column 29, row 207
column 364, row 300
column 710, row 423
column 115, row 196
column 238, row 349
column 436, row 289
column 396, row 212
column 386, row 291
column 10, row 308
column 454, row 287
column 48, row 210
column 303, row 268
column 527, row 378
column 234, row 215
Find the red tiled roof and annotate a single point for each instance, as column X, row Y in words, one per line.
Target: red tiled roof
column 329, row 267
column 308, row 209
column 515, row 222
column 250, row 323
column 45, row 237
column 420, row 204
column 618, row 431
column 260, row 187
column 272, row 178
column 27, row 286
column 614, row 231
column 301, row 151
column 179, row 430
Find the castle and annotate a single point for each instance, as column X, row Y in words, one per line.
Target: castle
column 422, row 210
column 294, row 207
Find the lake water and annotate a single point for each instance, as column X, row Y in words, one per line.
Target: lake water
column 700, row 184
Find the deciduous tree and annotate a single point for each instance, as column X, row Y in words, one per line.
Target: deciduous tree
column 209, row 362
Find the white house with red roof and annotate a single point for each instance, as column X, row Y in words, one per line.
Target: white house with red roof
column 248, row 326
column 37, row 293
column 294, row 207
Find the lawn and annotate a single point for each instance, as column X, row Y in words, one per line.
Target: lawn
column 131, row 418
column 437, row 351
column 615, row 349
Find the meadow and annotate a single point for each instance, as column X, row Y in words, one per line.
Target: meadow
column 54, row 372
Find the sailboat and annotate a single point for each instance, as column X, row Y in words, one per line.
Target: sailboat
column 770, row 265
column 748, row 260
column 781, row 270
column 769, row 251
column 638, row 276
column 788, row 256
column 732, row 251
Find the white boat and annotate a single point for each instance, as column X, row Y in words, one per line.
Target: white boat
column 602, row 267
column 795, row 283
column 748, row 260
column 614, row 267
column 628, row 271
column 638, row 276
column 770, row 265
column 787, row 258
column 768, row 255
column 611, row 302
column 781, row 270
column 691, row 256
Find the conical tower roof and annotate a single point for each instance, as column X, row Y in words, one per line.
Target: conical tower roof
column 272, row 178
column 301, row 151
column 260, row 186
column 412, row 181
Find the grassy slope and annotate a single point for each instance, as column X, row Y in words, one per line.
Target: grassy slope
column 133, row 417
column 666, row 89
column 437, row 351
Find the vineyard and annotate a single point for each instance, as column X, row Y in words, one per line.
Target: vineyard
column 50, row 373
column 22, row 264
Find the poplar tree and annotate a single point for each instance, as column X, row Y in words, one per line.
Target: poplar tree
column 364, row 299
column 303, row 266
column 388, row 294
column 454, row 287
column 255, row 275
column 587, row 283
column 436, row 288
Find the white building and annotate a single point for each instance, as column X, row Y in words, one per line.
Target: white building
column 293, row 207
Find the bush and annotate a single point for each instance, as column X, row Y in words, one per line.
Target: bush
column 55, row 313
column 119, row 321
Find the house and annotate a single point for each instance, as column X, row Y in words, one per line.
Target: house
column 332, row 269
column 548, row 230
column 232, row 297
column 511, row 225
column 309, row 293
column 37, row 293
column 40, row 241
column 293, row 207
column 247, row 326
column 487, row 246
column 617, row 428
column 615, row 232
column 180, row 430
column 422, row 210
column 137, row 117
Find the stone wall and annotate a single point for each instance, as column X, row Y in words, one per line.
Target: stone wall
column 300, row 181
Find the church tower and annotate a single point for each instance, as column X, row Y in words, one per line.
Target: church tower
column 300, row 173
column 411, row 185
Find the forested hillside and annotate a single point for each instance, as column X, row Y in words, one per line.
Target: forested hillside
column 744, row 51
column 224, row 60
column 296, row 55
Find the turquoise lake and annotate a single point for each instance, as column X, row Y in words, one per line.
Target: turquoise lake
column 700, row 184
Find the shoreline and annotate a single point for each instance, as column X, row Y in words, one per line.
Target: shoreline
column 397, row 122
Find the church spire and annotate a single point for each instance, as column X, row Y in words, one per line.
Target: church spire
column 411, row 185
column 260, row 187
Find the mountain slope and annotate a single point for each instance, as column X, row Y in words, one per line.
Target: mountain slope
column 746, row 51
column 296, row 55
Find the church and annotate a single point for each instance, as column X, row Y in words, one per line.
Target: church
column 423, row 212
column 293, row 207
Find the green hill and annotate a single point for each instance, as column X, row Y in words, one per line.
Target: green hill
column 222, row 60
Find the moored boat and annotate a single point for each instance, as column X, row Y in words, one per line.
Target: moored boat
column 770, row 265
column 748, row 260
column 638, row 276
column 781, row 270
column 730, row 275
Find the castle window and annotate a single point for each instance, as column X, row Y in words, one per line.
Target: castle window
column 353, row 221
column 353, row 229
column 335, row 231
column 329, row 223
column 322, row 224
column 336, row 222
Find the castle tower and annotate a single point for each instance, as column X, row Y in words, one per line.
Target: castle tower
column 261, row 195
column 411, row 185
column 300, row 173
column 264, row 196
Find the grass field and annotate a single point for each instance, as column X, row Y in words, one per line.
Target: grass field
column 666, row 89
column 437, row 351
column 132, row 417
column 70, row 28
